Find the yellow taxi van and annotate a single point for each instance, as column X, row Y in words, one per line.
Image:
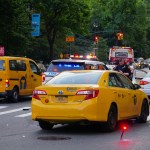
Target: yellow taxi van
column 18, row 77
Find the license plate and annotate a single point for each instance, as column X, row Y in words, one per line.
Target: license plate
column 61, row 99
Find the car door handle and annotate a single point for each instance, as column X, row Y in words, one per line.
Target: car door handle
column 32, row 75
column 115, row 92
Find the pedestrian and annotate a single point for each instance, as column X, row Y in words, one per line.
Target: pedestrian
column 124, row 68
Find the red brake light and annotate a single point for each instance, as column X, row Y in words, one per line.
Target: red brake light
column 7, row 83
column 143, row 82
column 43, row 77
column 36, row 94
column 89, row 93
column 76, row 56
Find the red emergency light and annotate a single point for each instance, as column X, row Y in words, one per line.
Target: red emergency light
column 124, row 127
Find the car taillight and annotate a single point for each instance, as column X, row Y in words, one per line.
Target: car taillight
column 143, row 82
column 43, row 77
column 7, row 83
column 89, row 93
column 36, row 94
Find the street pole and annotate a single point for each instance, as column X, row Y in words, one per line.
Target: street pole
column 69, row 49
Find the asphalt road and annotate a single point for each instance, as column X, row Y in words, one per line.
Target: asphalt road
column 19, row 132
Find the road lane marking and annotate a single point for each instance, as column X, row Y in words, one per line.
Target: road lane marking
column 24, row 115
column 1, row 107
column 13, row 110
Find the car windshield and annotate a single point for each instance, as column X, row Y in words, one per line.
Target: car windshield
column 2, row 65
column 63, row 66
column 76, row 78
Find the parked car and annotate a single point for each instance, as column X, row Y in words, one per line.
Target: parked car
column 88, row 96
column 147, row 62
column 18, row 77
column 145, row 84
column 139, row 63
column 59, row 65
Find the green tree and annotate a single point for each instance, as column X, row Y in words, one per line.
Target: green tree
column 15, row 26
column 148, row 27
column 63, row 17
column 129, row 17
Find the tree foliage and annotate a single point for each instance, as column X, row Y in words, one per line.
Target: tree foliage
column 14, row 26
column 129, row 17
column 83, row 18
column 63, row 17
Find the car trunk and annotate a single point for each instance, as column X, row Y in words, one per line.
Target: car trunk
column 56, row 94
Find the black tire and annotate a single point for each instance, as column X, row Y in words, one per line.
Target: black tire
column 144, row 112
column 112, row 119
column 45, row 125
column 14, row 97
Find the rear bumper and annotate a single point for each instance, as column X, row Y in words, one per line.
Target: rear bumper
column 5, row 94
column 88, row 110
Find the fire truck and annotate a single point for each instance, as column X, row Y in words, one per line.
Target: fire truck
column 117, row 53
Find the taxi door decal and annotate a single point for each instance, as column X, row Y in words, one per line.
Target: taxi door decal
column 23, row 83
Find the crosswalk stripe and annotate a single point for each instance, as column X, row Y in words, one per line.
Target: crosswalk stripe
column 13, row 110
column 1, row 107
column 24, row 115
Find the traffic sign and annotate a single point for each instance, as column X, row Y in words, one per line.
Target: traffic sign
column 70, row 38
column 1, row 50
column 35, row 25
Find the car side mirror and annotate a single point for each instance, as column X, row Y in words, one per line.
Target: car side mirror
column 137, row 86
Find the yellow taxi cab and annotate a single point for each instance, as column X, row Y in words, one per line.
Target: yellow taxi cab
column 18, row 77
column 88, row 96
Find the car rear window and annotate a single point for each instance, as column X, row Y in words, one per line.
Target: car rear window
column 2, row 65
column 63, row 66
column 76, row 78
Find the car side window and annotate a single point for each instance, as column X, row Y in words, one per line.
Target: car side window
column 2, row 65
column 13, row 65
column 114, row 80
column 126, row 82
column 34, row 68
column 21, row 65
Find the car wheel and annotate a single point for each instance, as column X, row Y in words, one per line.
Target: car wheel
column 112, row 119
column 14, row 96
column 45, row 125
column 144, row 112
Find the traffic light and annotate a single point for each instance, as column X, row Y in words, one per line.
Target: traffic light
column 120, row 36
column 96, row 39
